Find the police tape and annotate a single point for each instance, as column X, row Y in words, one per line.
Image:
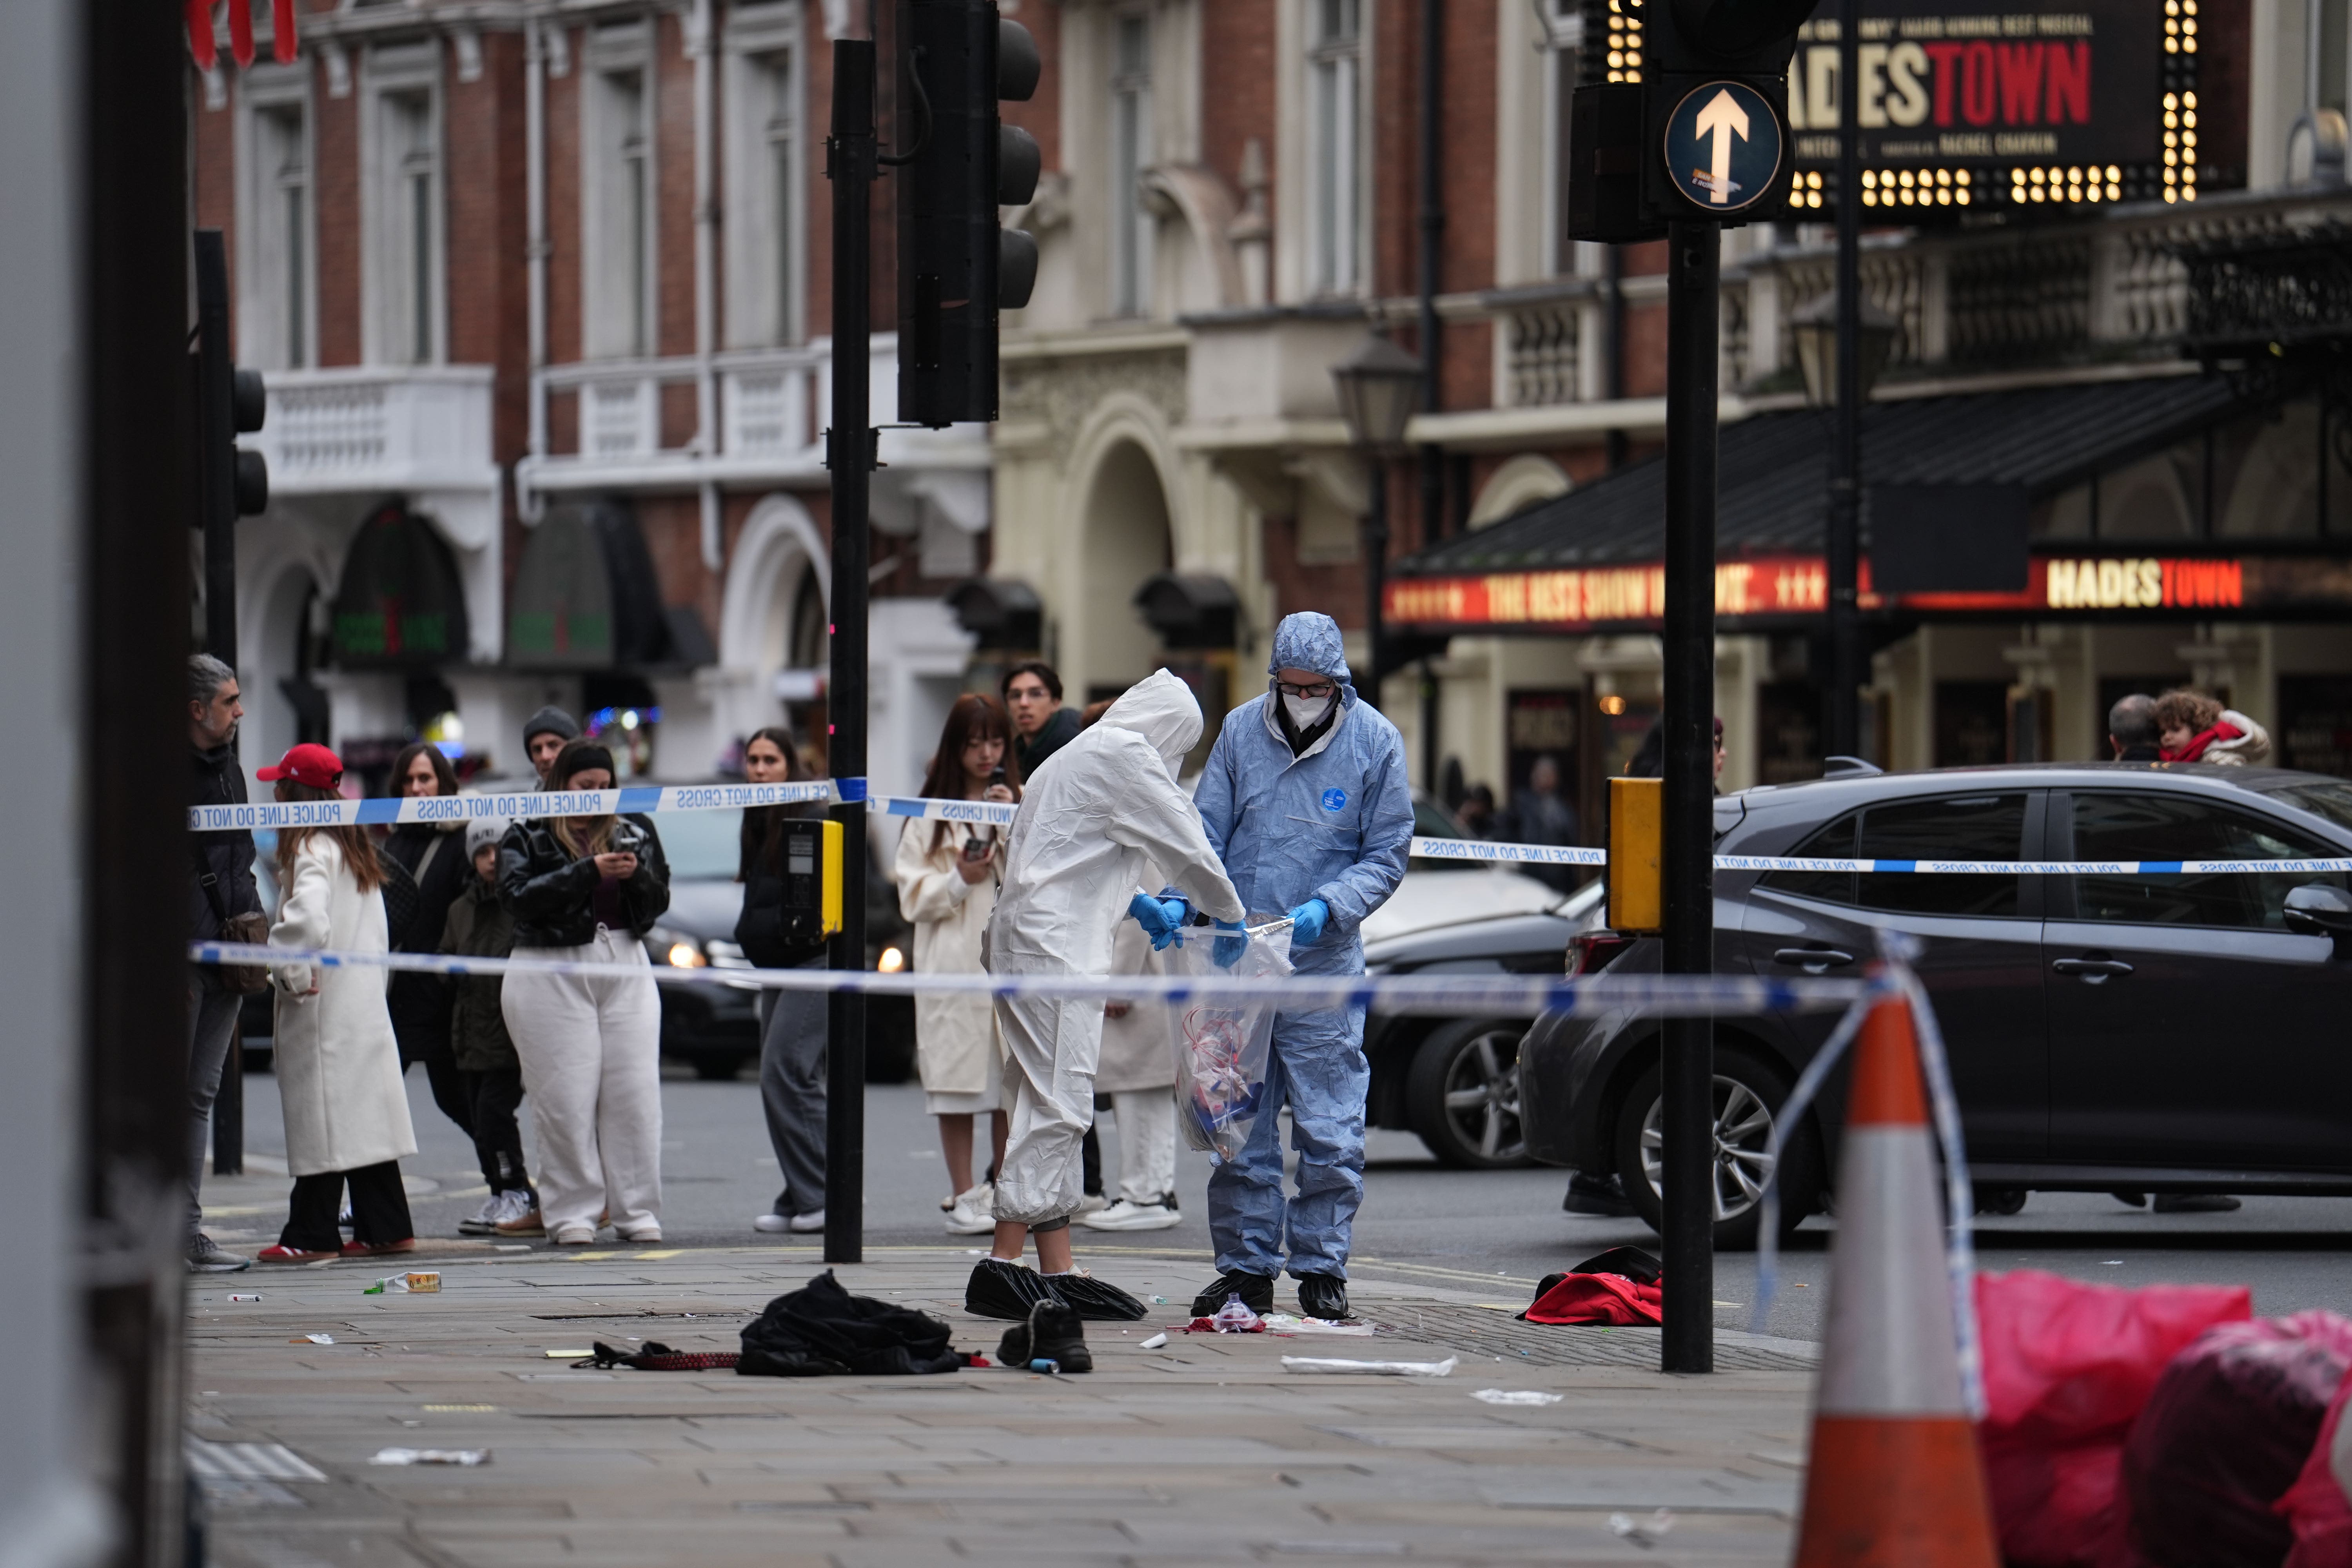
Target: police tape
column 656, row 800
column 1483, row 995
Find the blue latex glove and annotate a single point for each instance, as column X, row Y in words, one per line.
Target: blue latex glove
column 1160, row 918
column 1227, row 950
column 1307, row 922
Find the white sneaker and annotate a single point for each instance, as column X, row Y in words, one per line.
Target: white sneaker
column 1124, row 1215
column 772, row 1224
column 484, row 1220
column 1091, row 1202
column 801, row 1224
column 975, row 1213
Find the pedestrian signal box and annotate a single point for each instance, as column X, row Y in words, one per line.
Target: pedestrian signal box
column 812, row 852
column 1636, row 820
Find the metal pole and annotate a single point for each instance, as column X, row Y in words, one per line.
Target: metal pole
column 1842, row 732
column 1687, row 1074
column 215, row 467
column 850, row 454
column 1376, row 567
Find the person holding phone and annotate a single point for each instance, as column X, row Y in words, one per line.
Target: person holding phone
column 792, row 1038
column 947, row 875
column 586, row 889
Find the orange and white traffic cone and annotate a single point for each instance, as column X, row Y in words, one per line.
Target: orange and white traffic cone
column 1893, row 1479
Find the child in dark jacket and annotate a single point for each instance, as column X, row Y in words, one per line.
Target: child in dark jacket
column 479, row 927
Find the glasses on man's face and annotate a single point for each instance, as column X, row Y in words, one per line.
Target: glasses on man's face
column 1315, row 692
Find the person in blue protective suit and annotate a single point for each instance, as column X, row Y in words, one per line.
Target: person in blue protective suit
column 1306, row 799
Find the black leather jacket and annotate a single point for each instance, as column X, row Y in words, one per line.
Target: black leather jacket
column 551, row 895
column 227, row 856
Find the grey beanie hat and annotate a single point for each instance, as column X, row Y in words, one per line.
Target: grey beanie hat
column 481, row 831
column 550, row 720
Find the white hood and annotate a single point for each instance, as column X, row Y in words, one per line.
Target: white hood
column 1163, row 709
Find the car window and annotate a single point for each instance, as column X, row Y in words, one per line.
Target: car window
column 2184, row 827
column 702, row 844
column 2330, row 799
column 1965, row 827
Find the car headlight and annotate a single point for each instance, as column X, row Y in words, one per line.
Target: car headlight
column 676, row 949
column 891, row 961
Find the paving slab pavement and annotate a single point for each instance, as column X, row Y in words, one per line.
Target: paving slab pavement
column 1206, row 1451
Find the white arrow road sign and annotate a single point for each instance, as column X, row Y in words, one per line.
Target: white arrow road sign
column 1721, row 119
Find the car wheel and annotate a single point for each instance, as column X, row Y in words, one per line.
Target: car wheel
column 1747, row 1100
column 715, row 1069
column 1463, row 1094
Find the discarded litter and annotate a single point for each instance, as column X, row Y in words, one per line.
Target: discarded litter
column 431, row 1457
column 1235, row 1318
column 1642, row 1533
column 1283, row 1323
column 1517, row 1397
column 1160, row 1300
column 245, row 1298
column 510, row 1246
column 1154, row 1342
column 311, row 1340
column 568, row 1355
column 1380, row 1368
column 425, row 1282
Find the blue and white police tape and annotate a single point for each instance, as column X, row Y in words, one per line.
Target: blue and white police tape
column 1501, row 996
column 389, row 812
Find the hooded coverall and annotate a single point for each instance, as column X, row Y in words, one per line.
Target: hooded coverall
column 1334, row 823
column 1088, row 827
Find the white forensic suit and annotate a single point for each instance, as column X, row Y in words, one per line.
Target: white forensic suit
column 1090, row 828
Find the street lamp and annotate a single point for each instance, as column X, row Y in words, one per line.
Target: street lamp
column 1814, row 327
column 1379, row 386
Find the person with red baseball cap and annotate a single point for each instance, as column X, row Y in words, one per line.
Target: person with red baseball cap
column 338, row 1063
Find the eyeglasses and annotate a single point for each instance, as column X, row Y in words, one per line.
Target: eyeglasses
column 1321, row 689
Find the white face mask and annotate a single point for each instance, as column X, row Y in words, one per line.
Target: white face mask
column 1305, row 712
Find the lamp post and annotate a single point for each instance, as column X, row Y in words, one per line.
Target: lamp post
column 1378, row 385
column 1839, row 347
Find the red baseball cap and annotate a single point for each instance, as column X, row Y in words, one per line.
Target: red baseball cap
column 306, row 765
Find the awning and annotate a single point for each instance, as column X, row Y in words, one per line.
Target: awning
column 1189, row 609
column 1591, row 560
column 1004, row 612
column 400, row 604
column 585, row 597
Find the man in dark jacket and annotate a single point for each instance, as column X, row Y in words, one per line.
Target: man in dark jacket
column 1040, row 725
column 220, row 886
column 544, row 734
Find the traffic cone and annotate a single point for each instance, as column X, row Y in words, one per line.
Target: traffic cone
column 1893, row 1481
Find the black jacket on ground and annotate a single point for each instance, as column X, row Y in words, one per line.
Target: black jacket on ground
column 822, row 1330
column 552, row 895
column 228, row 856
column 1051, row 737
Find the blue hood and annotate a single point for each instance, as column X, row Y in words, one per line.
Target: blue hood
column 1310, row 641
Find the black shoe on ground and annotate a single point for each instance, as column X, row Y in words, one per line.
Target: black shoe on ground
column 1001, row 1289
column 1096, row 1301
column 2194, row 1202
column 1051, row 1332
column 1601, row 1196
column 1323, row 1296
column 1256, row 1292
column 2130, row 1200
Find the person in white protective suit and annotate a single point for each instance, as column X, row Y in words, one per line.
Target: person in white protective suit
column 1108, row 808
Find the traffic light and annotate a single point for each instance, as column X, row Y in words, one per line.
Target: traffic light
column 957, row 266
column 229, row 402
column 1680, row 114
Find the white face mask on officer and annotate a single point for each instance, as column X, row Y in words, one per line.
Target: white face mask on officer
column 1305, row 712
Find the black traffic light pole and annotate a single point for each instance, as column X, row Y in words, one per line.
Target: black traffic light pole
column 1687, row 1076
column 216, row 460
column 849, row 454
column 1843, row 553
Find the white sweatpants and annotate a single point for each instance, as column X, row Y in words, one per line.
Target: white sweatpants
column 590, row 1050
column 1146, row 1143
column 1051, row 1048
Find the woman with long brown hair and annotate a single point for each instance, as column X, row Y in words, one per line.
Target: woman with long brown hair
column 947, row 875
column 338, row 1065
column 587, row 889
column 791, row 1023
column 425, row 871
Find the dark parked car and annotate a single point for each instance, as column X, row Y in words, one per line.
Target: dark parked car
column 1455, row 1081
column 2107, row 1032
column 716, row 1028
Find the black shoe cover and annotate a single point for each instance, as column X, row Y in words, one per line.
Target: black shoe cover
column 1323, row 1296
column 1053, row 1333
column 1001, row 1289
column 1256, row 1292
column 1094, row 1300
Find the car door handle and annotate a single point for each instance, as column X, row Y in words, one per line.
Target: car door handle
column 1813, row 960
column 2092, row 971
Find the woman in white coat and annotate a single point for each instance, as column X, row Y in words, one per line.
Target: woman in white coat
column 338, row 1064
column 947, row 874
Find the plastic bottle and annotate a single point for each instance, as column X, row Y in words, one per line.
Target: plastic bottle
column 1234, row 1316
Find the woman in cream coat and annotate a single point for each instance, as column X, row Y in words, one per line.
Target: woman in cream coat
column 338, row 1065
column 947, row 874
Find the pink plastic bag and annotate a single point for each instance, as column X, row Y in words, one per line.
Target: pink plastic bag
column 2230, row 1426
column 2315, row 1507
column 2068, row 1367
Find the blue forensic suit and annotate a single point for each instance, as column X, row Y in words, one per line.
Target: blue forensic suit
column 1333, row 824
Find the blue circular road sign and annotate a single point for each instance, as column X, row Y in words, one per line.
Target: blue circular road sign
column 1724, row 146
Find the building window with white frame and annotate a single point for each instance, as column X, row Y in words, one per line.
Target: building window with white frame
column 408, row 256
column 276, row 282
column 1335, row 130
column 764, row 233
column 1130, row 155
column 619, row 217
column 1562, row 26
